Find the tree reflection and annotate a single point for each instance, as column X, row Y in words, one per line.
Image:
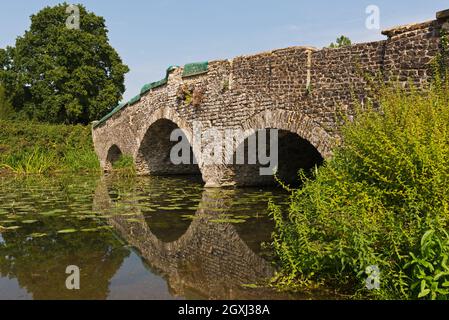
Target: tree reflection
column 39, row 262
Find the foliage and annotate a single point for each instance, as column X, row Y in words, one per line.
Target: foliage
column 382, row 200
column 124, row 166
column 61, row 75
column 185, row 94
column 430, row 272
column 31, row 148
column 441, row 61
column 6, row 110
column 341, row 41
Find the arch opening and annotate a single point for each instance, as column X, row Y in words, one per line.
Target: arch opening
column 114, row 154
column 154, row 155
column 293, row 154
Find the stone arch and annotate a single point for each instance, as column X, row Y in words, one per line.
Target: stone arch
column 294, row 122
column 113, row 155
column 154, row 146
column 300, row 146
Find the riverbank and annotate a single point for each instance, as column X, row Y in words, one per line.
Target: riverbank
column 37, row 148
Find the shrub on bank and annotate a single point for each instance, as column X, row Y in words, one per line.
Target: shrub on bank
column 381, row 201
column 29, row 148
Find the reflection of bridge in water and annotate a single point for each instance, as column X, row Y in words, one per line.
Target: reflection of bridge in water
column 210, row 260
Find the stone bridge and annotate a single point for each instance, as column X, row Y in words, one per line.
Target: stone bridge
column 301, row 91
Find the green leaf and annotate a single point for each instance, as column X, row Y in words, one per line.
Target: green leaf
column 423, row 293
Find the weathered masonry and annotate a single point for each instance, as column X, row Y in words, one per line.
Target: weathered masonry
column 298, row 90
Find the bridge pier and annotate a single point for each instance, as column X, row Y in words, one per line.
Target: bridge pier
column 215, row 176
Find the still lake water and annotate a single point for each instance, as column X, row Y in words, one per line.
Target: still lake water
column 139, row 238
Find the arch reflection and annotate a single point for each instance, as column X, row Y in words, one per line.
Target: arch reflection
column 209, row 260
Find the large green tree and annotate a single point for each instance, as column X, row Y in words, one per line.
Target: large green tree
column 62, row 75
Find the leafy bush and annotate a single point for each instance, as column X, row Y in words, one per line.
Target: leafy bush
column 382, row 200
column 430, row 272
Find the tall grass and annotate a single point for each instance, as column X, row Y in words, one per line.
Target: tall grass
column 382, row 200
column 124, row 167
column 35, row 148
column 36, row 161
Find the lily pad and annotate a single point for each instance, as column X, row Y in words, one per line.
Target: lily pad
column 242, row 217
column 12, row 228
column 8, row 221
column 190, row 216
column 29, row 221
column 250, row 286
column 65, row 231
column 38, row 235
column 129, row 214
column 53, row 212
column 169, row 208
column 89, row 230
column 232, row 221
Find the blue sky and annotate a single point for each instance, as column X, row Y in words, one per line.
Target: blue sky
column 150, row 35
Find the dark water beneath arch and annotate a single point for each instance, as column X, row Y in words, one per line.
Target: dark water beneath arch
column 139, row 238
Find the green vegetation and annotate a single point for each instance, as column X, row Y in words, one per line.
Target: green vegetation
column 60, row 75
column 56, row 75
column 33, row 148
column 382, row 200
column 341, row 41
column 6, row 109
column 124, row 166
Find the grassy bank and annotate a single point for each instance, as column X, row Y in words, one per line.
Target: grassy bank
column 382, row 202
column 35, row 148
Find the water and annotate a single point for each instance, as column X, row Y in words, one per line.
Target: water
column 140, row 238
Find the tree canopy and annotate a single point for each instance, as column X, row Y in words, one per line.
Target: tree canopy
column 61, row 75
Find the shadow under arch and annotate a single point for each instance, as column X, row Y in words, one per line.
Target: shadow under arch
column 210, row 260
column 293, row 154
column 301, row 144
column 154, row 153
